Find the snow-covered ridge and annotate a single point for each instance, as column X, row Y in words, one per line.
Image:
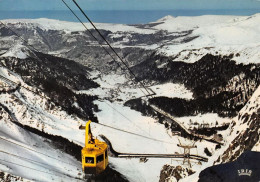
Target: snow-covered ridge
column 193, row 36
column 188, row 22
column 26, row 156
column 168, row 23
column 165, row 18
column 171, row 23
column 50, row 24
column 215, row 35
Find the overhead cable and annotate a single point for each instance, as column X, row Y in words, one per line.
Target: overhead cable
column 121, row 59
column 36, row 151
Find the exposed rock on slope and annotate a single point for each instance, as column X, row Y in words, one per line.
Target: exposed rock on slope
column 6, row 177
column 244, row 130
column 174, row 173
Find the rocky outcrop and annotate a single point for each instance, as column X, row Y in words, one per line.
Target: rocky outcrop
column 6, row 177
column 244, row 130
column 174, row 173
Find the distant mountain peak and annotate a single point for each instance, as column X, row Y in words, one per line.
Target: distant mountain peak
column 165, row 18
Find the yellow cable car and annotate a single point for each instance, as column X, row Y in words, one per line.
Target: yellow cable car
column 94, row 154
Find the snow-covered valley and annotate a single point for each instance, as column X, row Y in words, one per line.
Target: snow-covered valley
column 203, row 71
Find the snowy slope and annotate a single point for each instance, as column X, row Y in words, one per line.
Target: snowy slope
column 17, row 51
column 27, row 155
column 32, row 157
column 133, row 121
column 216, row 35
column 238, row 137
column 116, row 87
column 212, row 119
column 244, row 134
column 115, row 114
column 34, row 111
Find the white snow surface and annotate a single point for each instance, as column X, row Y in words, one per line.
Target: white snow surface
column 32, row 112
column 17, row 51
column 215, row 35
column 115, row 86
column 172, row 90
column 27, row 155
column 32, row 157
column 126, row 143
column 10, row 75
column 212, row 119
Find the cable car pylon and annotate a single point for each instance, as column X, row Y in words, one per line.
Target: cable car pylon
column 116, row 154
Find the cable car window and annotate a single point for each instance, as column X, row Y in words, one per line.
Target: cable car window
column 106, row 153
column 100, row 158
column 89, row 160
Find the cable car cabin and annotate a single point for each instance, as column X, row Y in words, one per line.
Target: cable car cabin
column 94, row 154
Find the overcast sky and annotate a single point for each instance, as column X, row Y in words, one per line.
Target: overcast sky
column 130, row 4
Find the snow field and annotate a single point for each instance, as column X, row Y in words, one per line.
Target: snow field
column 126, row 143
column 18, row 156
column 115, row 86
column 222, row 34
column 18, row 51
column 212, row 119
column 116, row 115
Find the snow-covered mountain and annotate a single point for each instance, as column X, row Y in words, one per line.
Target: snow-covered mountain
column 39, row 128
column 241, row 136
column 184, row 38
column 204, row 70
column 244, row 130
column 28, row 129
